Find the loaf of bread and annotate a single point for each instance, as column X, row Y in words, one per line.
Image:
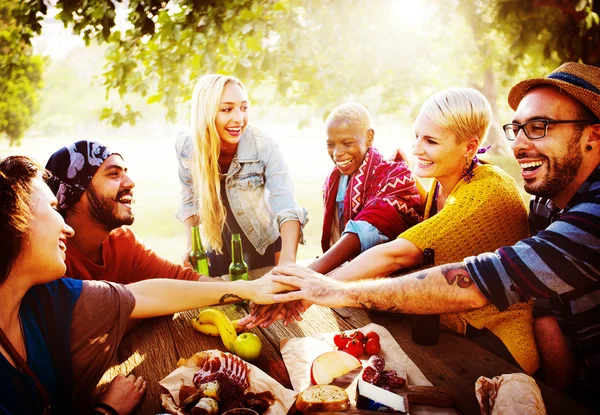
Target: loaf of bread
column 323, row 398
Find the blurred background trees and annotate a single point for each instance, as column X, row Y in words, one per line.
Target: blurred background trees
column 299, row 59
column 20, row 76
column 389, row 54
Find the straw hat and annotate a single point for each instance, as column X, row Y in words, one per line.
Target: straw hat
column 580, row 81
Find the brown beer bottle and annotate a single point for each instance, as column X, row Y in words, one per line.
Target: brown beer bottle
column 426, row 327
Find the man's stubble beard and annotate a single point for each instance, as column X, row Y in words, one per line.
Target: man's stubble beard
column 561, row 172
column 103, row 210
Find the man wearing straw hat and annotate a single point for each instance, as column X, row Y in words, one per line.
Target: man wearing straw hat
column 555, row 137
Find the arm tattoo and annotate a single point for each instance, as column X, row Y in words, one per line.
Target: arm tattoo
column 227, row 296
column 413, row 293
column 420, row 275
column 458, row 275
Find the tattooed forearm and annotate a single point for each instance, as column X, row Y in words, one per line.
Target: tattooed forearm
column 374, row 299
column 457, row 274
column 225, row 297
column 428, row 291
column 420, row 275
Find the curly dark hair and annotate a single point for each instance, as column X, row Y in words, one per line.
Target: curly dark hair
column 16, row 176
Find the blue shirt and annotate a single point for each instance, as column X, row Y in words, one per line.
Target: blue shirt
column 368, row 234
column 46, row 312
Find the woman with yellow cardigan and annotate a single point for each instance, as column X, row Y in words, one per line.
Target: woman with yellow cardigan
column 471, row 207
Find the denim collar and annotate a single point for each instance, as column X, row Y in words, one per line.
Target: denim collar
column 247, row 151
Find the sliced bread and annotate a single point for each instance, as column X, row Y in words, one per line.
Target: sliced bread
column 323, row 398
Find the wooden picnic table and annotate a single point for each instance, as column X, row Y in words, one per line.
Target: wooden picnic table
column 455, row 362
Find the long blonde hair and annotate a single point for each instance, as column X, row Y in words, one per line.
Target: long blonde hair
column 207, row 148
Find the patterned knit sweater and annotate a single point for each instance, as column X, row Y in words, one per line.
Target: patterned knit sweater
column 481, row 216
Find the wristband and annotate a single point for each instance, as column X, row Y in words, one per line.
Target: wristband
column 106, row 407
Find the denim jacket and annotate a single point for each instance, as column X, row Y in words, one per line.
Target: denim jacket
column 258, row 186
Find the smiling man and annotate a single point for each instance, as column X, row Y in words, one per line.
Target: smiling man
column 95, row 196
column 555, row 137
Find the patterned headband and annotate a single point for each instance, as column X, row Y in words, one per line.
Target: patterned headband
column 72, row 169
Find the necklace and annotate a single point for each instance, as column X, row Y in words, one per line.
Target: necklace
column 23, row 338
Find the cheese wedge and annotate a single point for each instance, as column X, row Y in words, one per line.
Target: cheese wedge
column 374, row 398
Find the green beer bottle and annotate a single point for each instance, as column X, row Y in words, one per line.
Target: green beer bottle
column 238, row 270
column 197, row 254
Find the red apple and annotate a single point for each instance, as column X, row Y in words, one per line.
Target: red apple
column 331, row 365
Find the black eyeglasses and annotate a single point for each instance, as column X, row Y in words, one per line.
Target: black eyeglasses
column 536, row 129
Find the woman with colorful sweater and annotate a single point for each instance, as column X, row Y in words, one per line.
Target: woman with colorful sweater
column 472, row 207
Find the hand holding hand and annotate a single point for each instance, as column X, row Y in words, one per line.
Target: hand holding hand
column 263, row 315
column 261, row 290
column 310, row 285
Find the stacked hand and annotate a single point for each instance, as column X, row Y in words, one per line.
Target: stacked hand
column 262, row 290
column 302, row 288
column 310, row 286
column 265, row 315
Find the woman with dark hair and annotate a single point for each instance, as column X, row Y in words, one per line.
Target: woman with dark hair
column 58, row 335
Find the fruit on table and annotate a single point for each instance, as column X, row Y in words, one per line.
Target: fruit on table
column 331, row 365
column 357, row 343
column 211, row 329
column 222, row 323
column 247, row 346
column 341, row 340
column 358, row 335
column 355, row 348
column 372, row 347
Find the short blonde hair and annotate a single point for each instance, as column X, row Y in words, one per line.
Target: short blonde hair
column 206, row 99
column 353, row 113
column 464, row 111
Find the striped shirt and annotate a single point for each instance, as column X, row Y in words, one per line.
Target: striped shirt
column 560, row 262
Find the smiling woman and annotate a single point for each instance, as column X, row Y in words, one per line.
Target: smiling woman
column 234, row 180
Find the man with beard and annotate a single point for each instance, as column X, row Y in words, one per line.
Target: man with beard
column 555, row 138
column 95, row 196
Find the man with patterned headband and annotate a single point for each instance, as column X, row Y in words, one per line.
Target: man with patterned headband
column 555, row 137
column 95, row 196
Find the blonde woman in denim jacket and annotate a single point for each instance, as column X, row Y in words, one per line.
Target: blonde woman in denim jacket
column 234, row 180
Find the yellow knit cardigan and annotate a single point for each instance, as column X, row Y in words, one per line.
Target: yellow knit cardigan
column 481, row 216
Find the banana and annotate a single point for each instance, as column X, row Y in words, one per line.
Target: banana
column 222, row 323
column 211, row 329
column 206, row 328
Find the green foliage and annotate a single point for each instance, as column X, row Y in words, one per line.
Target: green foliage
column 322, row 52
column 565, row 30
column 20, row 77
